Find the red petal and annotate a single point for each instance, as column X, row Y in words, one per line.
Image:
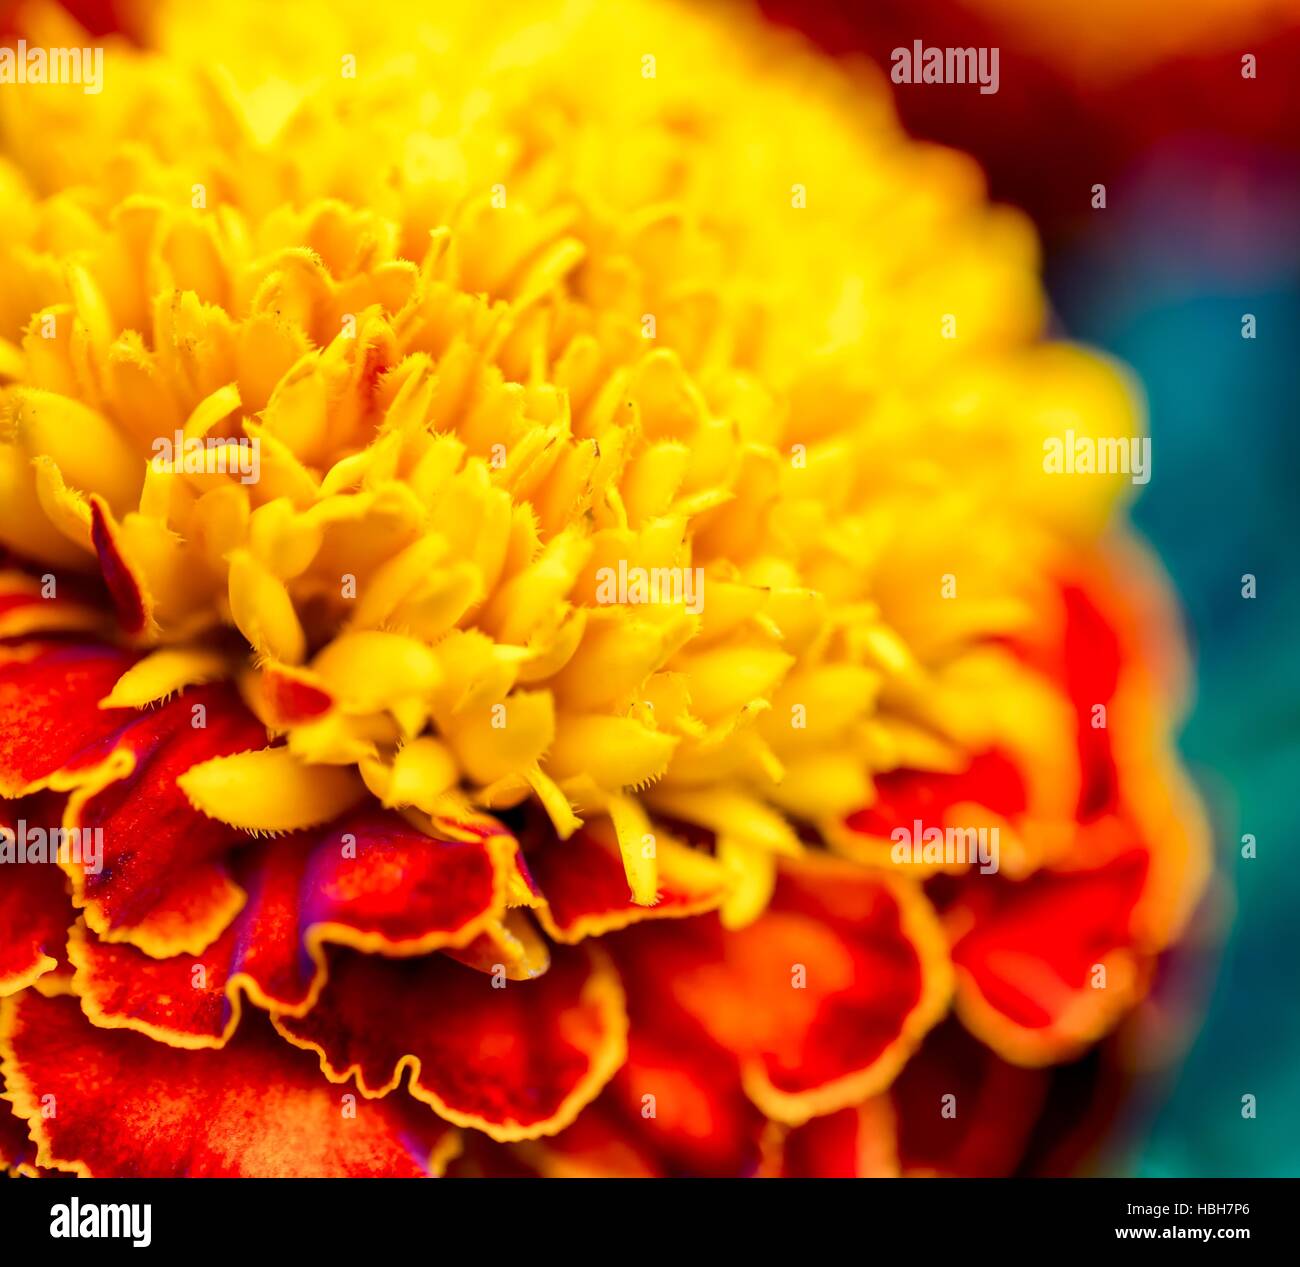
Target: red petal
column 35, row 910
column 991, row 779
column 370, row 881
column 963, row 1111
column 822, row 999
column 291, row 696
column 598, row 1145
column 1027, row 951
column 855, row 1143
column 130, row 598
column 1028, row 955
column 1122, row 648
column 682, row 1093
column 586, row 891
column 34, row 916
column 157, row 887
column 153, row 839
column 1091, row 673
column 49, row 708
column 904, row 797
column 125, row 1106
column 16, row 1148
column 516, row 1062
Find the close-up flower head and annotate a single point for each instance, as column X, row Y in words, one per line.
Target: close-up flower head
column 567, row 608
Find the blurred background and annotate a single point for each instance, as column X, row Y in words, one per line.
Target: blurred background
column 1201, row 227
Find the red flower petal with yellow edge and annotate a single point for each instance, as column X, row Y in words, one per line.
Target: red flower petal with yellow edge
column 855, row 1143
column 583, row 889
column 679, row 1095
column 254, row 1108
column 370, row 881
column 34, row 907
column 820, row 1001
column 1048, row 964
column 49, row 705
column 596, row 1145
column 514, row 1062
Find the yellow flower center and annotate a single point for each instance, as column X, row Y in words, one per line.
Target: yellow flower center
column 603, row 406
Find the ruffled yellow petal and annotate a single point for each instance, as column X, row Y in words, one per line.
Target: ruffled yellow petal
column 162, row 674
column 269, row 791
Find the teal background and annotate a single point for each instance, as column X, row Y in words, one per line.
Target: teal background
column 1161, row 280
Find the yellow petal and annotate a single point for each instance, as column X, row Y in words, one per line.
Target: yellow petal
column 822, row 784
column 524, row 601
column 616, row 752
column 84, row 445
column 395, row 581
column 263, row 611
column 337, row 739
column 725, row 679
column 421, row 773
column 369, row 670
column 730, row 812
column 211, row 410
column 753, row 874
column 66, row 508
column 270, row 790
column 504, row 739
column 555, row 803
column 636, row 844
column 23, row 522
column 162, row 674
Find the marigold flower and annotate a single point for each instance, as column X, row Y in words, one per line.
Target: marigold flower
column 507, row 521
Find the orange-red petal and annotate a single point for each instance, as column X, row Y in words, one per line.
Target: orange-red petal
column 49, row 708
column 681, row 1093
column 963, row 1111
column 1122, row 648
column 585, row 889
column 855, row 1143
column 371, row 881
column 516, row 1060
column 35, row 910
column 292, row 695
column 126, row 1106
column 992, row 779
column 131, row 599
column 1047, row 964
column 161, row 884
column 822, row 999
column 598, row 1145
column 153, row 838
column 34, row 916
